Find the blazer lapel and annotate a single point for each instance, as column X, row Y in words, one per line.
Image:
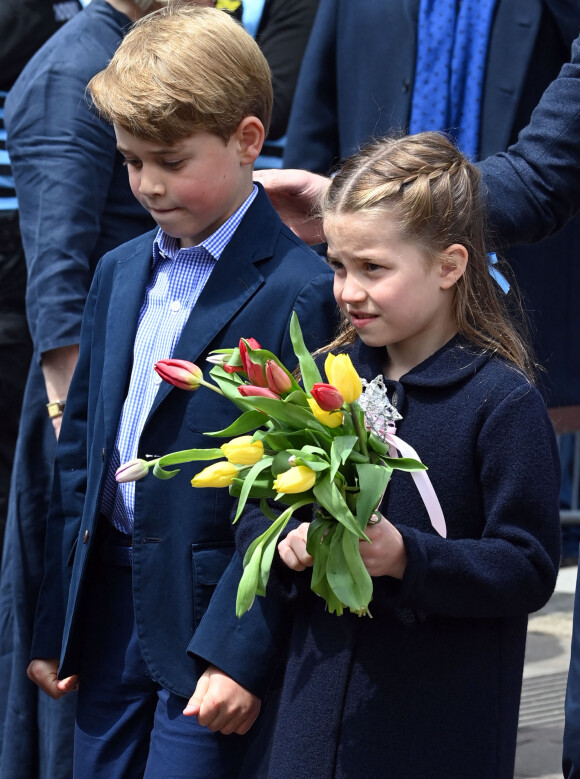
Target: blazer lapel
column 128, row 287
column 233, row 281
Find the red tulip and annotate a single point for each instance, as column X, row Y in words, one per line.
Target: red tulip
column 327, row 396
column 181, row 373
column 248, row 390
column 278, row 380
column 254, row 371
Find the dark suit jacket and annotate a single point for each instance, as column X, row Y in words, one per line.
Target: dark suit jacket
column 356, row 84
column 182, row 537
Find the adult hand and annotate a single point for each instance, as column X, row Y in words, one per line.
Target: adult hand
column 385, row 555
column 292, row 549
column 295, row 194
column 44, row 673
column 221, row 704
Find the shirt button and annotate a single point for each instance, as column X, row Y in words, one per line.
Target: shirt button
column 175, row 305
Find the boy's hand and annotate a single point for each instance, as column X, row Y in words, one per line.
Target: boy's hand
column 222, row 704
column 295, row 194
column 44, row 673
column 292, row 549
column 386, row 554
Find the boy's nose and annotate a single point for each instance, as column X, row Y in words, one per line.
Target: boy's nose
column 149, row 184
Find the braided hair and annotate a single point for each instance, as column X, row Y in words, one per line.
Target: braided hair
column 432, row 193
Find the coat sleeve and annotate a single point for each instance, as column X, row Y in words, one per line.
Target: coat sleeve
column 63, row 160
column 511, row 569
column 533, row 188
column 312, row 141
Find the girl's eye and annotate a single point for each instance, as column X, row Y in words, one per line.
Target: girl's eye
column 171, row 164
column 335, row 265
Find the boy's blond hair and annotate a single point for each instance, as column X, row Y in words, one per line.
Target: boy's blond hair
column 181, row 70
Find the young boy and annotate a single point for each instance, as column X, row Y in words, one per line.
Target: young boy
column 188, row 93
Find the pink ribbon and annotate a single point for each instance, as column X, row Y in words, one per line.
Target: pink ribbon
column 422, row 481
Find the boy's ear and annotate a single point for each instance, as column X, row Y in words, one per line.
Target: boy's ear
column 453, row 262
column 249, row 136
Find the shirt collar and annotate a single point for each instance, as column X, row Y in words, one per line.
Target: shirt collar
column 168, row 247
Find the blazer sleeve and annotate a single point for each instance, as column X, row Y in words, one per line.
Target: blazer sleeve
column 249, row 649
column 533, row 188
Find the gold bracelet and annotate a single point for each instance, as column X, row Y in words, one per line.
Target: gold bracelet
column 55, row 408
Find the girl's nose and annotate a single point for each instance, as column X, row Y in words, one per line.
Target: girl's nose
column 351, row 290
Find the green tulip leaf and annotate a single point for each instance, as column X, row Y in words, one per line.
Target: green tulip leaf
column 247, row 422
column 341, row 449
column 249, row 480
column 346, row 573
column 308, row 368
column 373, row 480
column 328, row 495
column 162, row 474
column 404, row 463
column 249, row 581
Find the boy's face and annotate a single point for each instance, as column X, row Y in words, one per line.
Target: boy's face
column 191, row 187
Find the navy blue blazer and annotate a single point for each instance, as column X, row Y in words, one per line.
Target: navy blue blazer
column 183, row 538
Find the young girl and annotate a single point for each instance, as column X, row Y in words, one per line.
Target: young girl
column 430, row 686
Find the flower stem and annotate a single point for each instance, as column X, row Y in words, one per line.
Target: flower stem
column 211, row 386
column 359, row 431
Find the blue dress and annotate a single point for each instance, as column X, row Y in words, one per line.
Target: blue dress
column 75, row 204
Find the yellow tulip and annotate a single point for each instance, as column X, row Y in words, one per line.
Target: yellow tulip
column 341, row 374
column 243, row 451
column 328, row 418
column 219, row 474
column 297, row 479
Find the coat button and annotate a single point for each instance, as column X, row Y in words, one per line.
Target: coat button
column 86, row 537
column 406, row 85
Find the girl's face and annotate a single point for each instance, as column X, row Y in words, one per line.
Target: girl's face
column 389, row 289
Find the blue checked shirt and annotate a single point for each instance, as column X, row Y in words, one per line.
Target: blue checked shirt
column 177, row 279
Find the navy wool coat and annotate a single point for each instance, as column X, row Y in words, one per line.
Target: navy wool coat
column 430, row 686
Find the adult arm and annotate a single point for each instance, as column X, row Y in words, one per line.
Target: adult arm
column 63, row 159
column 312, row 138
column 283, row 34
column 533, row 188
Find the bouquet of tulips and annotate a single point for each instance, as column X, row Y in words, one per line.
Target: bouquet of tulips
column 295, row 445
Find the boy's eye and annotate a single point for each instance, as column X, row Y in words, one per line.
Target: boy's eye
column 171, row 164
column 127, row 163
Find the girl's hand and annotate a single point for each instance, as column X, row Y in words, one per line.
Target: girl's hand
column 386, row 554
column 292, row 549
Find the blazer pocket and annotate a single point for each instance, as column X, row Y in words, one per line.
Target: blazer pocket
column 209, row 561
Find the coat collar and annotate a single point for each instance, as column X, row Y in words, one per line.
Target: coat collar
column 457, row 360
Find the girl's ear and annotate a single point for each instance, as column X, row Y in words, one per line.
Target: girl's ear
column 452, row 264
column 249, row 135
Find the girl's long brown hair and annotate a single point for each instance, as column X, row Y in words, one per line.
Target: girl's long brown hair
column 432, row 191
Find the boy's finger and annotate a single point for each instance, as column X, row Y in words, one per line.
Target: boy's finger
column 194, row 703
